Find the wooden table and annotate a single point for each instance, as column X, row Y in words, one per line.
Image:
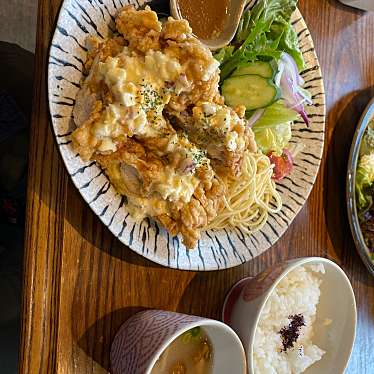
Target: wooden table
column 81, row 283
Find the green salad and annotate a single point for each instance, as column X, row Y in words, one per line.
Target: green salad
column 364, row 185
column 260, row 69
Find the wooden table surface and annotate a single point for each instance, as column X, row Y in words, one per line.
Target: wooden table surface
column 81, row 284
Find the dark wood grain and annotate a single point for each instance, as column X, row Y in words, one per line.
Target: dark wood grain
column 81, row 283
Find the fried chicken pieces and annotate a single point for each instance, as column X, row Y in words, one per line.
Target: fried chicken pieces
column 150, row 113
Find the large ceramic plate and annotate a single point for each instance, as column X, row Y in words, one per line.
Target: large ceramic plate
column 216, row 249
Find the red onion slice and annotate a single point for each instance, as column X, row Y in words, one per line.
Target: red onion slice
column 290, row 82
column 255, row 117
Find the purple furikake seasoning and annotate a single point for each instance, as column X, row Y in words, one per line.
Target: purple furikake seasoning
column 291, row 333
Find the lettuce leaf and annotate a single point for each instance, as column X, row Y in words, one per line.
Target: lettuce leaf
column 288, row 40
column 274, row 115
column 364, row 180
column 271, row 9
column 264, row 33
column 273, row 130
column 367, row 144
column 224, row 54
column 273, row 139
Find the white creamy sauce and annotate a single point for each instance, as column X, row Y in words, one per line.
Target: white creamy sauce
column 176, row 187
column 162, row 67
column 137, row 85
column 172, row 187
column 231, row 141
column 154, row 68
column 224, row 120
column 212, row 68
column 107, row 146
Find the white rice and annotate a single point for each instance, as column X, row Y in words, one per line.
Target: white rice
column 297, row 293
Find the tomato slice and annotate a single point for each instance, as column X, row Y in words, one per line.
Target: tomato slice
column 283, row 164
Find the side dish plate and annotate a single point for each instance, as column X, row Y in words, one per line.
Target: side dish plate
column 216, row 249
column 350, row 189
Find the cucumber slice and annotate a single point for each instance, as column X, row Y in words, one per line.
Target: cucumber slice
column 261, row 68
column 252, row 91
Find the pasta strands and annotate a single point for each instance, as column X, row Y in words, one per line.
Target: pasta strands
column 250, row 197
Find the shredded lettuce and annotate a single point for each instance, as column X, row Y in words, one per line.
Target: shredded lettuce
column 264, row 33
column 273, row 139
column 365, row 180
column 367, row 144
column 365, row 171
column 273, row 130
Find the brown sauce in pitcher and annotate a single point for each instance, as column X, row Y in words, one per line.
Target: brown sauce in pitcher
column 207, row 18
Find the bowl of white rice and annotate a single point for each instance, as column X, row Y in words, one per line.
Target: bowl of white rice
column 297, row 317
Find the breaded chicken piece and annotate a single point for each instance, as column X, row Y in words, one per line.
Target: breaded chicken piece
column 84, row 141
column 201, row 77
column 141, row 28
column 139, row 174
column 191, row 218
column 196, row 91
column 178, row 30
column 93, row 93
column 219, row 130
column 85, row 104
column 132, row 169
column 102, row 49
column 195, row 215
column 198, row 60
column 199, row 82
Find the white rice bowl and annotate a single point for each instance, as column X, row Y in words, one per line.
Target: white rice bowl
column 296, row 294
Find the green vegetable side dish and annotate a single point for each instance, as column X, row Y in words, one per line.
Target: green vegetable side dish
column 364, row 186
column 364, row 181
column 260, row 69
column 365, row 170
column 264, row 32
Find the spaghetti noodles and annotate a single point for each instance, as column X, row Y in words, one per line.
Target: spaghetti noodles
column 249, row 198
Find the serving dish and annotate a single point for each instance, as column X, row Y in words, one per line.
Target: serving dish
column 246, row 301
column 350, row 187
column 359, row 4
column 235, row 12
column 217, row 249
